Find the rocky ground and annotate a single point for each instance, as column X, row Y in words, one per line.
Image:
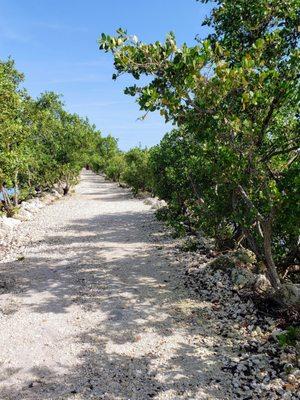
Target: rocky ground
column 97, row 301
column 259, row 367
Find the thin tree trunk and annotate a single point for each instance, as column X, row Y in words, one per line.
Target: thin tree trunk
column 16, row 197
column 266, row 227
column 249, row 241
column 7, row 202
column 66, row 189
column 67, row 186
column 29, row 178
column 272, row 271
column 6, row 197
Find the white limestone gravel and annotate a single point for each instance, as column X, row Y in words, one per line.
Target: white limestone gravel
column 96, row 307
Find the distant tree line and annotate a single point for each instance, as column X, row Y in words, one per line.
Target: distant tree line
column 41, row 144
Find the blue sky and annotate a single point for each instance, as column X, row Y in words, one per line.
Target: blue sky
column 54, row 42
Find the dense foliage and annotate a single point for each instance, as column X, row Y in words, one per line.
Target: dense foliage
column 131, row 168
column 231, row 167
column 137, row 172
column 40, row 143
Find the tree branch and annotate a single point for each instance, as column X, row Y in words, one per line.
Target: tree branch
column 249, row 203
column 268, row 117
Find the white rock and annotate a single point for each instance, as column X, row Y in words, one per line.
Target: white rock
column 55, row 193
column 2, row 233
column 258, row 331
column 157, row 204
column 262, row 284
column 296, row 372
column 291, row 294
column 25, row 205
column 291, row 378
column 8, row 223
column 48, row 198
column 242, row 277
column 36, row 203
column 32, row 205
column 149, row 201
column 23, row 215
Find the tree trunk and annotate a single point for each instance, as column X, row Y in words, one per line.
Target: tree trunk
column 16, row 197
column 249, row 242
column 266, row 227
column 29, row 178
column 271, row 267
column 6, row 197
column 7, row 202
column 66, row 189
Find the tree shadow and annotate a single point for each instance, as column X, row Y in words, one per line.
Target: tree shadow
column 119, row 278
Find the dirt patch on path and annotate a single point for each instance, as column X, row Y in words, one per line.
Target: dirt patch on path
column 98, row 308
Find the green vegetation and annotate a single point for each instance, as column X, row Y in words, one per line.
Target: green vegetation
column 132, row 168
column 231, row 167
column 137, row 172
column 40, row 143
column 289, row 337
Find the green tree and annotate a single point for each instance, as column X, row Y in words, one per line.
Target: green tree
column 115, row 167
column 137, row 172
column 237, row 95
column 14, row 128
column 40, row 143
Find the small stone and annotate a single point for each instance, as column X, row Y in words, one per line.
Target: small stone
column 262, row 284
column 8, row 223
column 23, row 215
column 258, row 330
column 291, row 378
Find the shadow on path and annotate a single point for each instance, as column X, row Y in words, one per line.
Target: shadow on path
column 132, row 341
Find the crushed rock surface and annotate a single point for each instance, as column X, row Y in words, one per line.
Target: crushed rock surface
column 94, row 307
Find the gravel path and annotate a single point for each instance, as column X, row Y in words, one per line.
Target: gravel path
column 97, row 308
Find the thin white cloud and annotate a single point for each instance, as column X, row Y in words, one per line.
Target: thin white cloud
column 88, row 78
column 63, row 68
column 7, row 33
column 60, row 27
